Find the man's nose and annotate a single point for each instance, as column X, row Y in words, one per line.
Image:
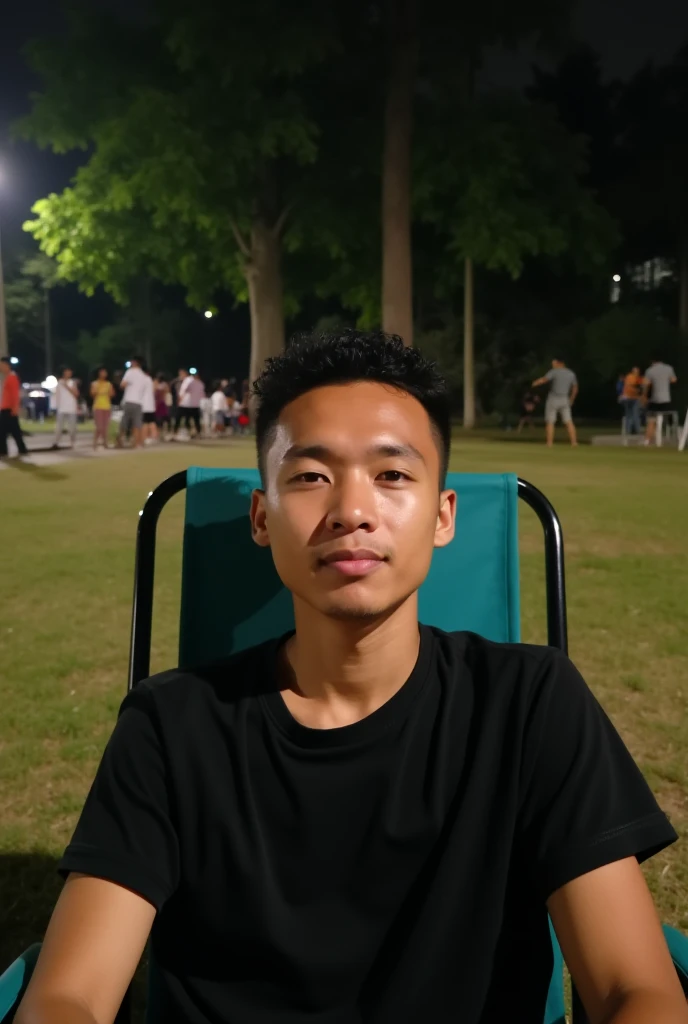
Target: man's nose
column 353, row 506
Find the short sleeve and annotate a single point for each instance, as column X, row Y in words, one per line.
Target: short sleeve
column 583, row 800
column 549, row 375
column 126, row 379
column 125, row 833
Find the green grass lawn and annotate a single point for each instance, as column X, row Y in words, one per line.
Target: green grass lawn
column 66, row 565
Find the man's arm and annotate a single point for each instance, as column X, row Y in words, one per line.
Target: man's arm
column 574, row 394
column 537, row 383
column 93, row 944
column 613, row 944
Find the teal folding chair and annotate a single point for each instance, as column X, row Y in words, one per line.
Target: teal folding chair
column 217, row 545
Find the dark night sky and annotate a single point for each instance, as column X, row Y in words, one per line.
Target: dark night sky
column 625, row 32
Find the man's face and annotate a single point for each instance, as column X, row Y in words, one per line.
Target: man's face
column 556, row 364
column 4, row 367
column 636, row 371
column 67, row 374
column 352, row 509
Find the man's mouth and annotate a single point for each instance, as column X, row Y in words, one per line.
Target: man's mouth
column 356, row 562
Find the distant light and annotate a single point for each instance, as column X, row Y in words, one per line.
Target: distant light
column 14, row 360
column 128, row 363
column 616, row 278
column 36, row 394
column 192, row 370
column 49, row 382
column 208, row 314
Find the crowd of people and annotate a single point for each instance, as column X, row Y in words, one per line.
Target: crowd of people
column 150, row 409
column 644, row 398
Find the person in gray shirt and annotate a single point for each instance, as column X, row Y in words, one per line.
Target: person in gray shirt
column 562, row 394
column 657, row 383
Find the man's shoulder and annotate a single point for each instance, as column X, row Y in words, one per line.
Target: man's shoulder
column 476, row 650
column 232, row 678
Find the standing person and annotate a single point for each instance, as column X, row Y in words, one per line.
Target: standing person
column 630, row 399
column 657, row 385
column 134, row 388
column 190, row 393
column 10, row 403
column 163, row 401
column 562, row 394
column 149, row 431
column 375, row 819
column 207, row 418
column 66, row 405
column 219, row 408
column 102, row 393
column 528, row 405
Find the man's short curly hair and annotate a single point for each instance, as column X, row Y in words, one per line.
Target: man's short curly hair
column 316, row 360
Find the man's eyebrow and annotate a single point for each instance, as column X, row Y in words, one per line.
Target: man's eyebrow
column 322, row 453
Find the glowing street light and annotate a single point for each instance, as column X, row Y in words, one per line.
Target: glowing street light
column 50, row 382
column 14, row 360
column 616, row 278
column 208, row 314
column 193, row 370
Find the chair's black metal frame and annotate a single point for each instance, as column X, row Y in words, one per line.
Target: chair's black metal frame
column 144, row 573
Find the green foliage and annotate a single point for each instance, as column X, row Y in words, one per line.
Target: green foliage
column 500, row 181
column 196, row 127
column 629, row 336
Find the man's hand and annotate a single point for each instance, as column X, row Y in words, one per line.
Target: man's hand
column 537, row 383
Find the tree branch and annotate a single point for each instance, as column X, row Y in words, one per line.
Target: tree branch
column 240, row 241
column 281, row 220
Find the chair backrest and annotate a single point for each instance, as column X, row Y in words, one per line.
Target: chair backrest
column 232, row 596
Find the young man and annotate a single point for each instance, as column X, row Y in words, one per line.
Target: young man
column 562, row 394
column 657, row 384
column 66, row 407
column 10, row 404
column 135, row 387
column 365, row 821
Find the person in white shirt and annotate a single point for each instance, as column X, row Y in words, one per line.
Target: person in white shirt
column 220, row 408
column 150, row 430
column 66, row 407
column 189, row 396
column 134, row 384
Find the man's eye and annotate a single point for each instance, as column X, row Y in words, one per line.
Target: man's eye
column 309, row 478
column 393, row 476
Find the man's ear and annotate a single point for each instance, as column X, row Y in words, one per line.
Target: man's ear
column 259, row 526
column 446, row 519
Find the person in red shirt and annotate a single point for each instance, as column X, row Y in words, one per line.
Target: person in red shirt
column 9, row 408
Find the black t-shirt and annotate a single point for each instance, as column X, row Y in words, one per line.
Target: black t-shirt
column 394, row 871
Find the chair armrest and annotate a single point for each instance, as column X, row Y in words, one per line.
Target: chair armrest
column 14, row 981
column 678, row 947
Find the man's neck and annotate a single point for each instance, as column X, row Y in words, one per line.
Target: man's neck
column 338, row 672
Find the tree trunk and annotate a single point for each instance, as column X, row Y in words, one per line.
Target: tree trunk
column 683, row 282
column 266, row 295
column 397, row 282
column 468, row 348
column 48, row 334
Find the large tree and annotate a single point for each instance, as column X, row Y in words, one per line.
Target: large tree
column 199, row 135
column 501, row 182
